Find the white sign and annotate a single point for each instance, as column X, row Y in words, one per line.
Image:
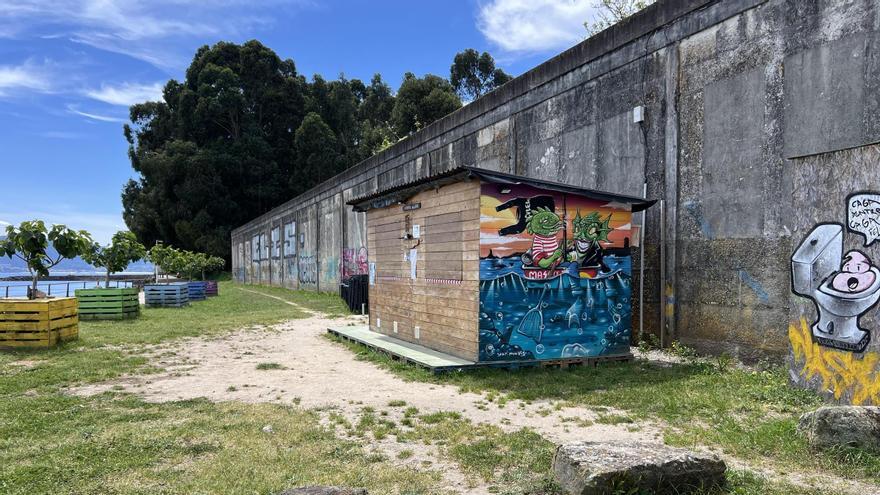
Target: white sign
column 417, row 231
column 373, row 273
column 863, row 215
column 413, row 258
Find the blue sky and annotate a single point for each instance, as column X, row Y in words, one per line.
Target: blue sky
column 69, row 69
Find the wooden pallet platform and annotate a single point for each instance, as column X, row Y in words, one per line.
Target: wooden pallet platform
column 196, row 291
column 175, row 295
column 439, row 362
column 38, row 323
column 211, row 288
column 108, row 304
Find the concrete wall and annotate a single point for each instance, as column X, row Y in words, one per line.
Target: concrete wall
column 736, row 93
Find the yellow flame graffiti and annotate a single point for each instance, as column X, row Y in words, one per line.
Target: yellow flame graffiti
column 840, row 371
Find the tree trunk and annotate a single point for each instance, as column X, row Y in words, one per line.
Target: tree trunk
column 33, row 294
column 107, row 280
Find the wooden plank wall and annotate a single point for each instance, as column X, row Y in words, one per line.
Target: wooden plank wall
column 443, row 300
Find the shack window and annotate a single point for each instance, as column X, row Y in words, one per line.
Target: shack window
column 255, row 248
column 264, row 243
column 290, row 240
column 276, row 242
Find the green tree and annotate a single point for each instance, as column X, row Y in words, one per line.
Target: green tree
column 170, row 260
column 30, row 243
column 116, row 256
column 232, row 140
column 316, row 150
column 610, row 12
column 217, row 150
column 421, row 101
column 473, row 74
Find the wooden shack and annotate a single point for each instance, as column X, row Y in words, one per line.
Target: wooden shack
column 491, row 267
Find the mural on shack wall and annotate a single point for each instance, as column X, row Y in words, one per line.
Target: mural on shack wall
column 555, row 275
column 843, row 287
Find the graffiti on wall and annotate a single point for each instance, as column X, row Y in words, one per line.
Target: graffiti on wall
column 307, row 268
column 354, row 262
column 843, row 287
column 555, row 275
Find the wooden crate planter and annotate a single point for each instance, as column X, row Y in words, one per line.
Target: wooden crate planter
column 211, row 288
column 166, row 295
column 40, row 323
column 108, row 304
column 197, row 291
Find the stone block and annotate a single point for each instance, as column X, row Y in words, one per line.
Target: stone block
column 592, row 468
column 842, row 426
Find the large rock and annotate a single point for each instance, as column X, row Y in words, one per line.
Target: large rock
column 592, row 468
column 324, row 490
column 842, row 426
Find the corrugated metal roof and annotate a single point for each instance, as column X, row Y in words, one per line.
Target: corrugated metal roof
column 401, row 192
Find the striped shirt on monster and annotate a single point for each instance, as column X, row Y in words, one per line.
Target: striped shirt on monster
column 543, row 224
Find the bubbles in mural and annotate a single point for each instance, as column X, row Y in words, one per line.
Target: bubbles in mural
column 557, row 269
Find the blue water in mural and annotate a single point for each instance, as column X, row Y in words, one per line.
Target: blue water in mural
column 565, row 316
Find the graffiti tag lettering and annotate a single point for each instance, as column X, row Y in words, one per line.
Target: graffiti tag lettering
column 308, row 270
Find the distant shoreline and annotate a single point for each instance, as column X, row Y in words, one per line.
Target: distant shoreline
column 79, row 277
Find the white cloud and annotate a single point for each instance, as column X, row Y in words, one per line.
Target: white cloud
column 162, row 33
column 2, row 222
column 103, row 118
column 535, row 25
column 126, row 94
column 29, row 75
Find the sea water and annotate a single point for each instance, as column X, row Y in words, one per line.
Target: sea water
column 565, row 316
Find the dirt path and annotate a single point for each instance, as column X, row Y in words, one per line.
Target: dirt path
column 324, row 376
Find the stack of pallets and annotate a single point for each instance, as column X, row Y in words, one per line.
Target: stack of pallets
column 108, row 304
column 39, row 323
column 166, row 295
column 197, row 291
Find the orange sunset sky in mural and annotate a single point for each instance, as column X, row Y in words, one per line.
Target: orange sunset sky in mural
column 491, row 221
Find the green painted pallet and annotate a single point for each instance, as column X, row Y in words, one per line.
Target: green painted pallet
column 108, row 304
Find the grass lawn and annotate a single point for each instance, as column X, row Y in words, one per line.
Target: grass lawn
column 51, row 442
column 748, row 414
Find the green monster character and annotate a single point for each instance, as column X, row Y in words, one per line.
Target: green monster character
column 588, row 231
column 543, row 225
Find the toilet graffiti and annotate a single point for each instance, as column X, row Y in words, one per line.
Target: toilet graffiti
column 863, row 215
column 830, row 353
column 842, row 287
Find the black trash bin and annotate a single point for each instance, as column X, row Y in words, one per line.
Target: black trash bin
column 354, row 291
